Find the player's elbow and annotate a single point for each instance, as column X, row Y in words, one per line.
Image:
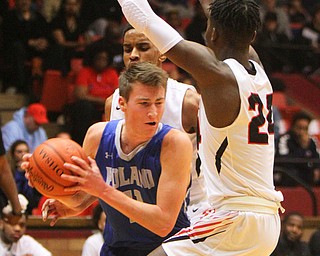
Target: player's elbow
column 165, row 226
column 165, row 230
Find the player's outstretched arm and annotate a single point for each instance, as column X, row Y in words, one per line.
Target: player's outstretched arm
column 204, row 63
column 57, row 209
column 7, row 184
column 214, row 78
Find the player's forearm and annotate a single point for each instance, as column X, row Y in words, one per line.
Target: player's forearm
column 150, row 216
column 140, row 15
column 78, row 202
column 8, row 184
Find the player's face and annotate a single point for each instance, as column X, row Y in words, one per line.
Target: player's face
column 144, row 109
column 31, row 124
column 300, row 128
column 294, row 228
column 18, row 153
column 138, row 48
column 12, row 233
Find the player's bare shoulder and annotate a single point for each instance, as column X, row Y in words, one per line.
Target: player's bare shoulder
column 92, row 139
column 177, row 141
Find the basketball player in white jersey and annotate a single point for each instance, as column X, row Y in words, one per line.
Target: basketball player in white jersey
column 237, row 142
column 181, row 107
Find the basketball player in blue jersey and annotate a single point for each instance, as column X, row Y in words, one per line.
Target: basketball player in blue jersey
column 142, row 171
column 181, row 108
column 237, row 142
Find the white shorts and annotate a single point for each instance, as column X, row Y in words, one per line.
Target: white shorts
column 227, row 233
column 194, row 212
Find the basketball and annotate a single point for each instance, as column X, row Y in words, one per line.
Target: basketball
column 46, row 166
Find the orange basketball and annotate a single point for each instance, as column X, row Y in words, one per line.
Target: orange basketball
column 46, row 166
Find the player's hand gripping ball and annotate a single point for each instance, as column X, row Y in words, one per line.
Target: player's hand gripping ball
column 46, row 166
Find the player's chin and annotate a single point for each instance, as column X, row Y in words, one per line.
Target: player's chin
column 16, row 237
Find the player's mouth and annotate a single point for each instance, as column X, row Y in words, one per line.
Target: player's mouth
column 152, row 123
column 132, row 62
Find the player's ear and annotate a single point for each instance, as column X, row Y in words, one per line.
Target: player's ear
column 122, row 104
column 162, row 58
column 254, row 36
column 214, row 34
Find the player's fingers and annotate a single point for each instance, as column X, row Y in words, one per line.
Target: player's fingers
column 79, row 170
column 48, row 203
column 71, row 189
column 26, row 156
column 45, row 212
column 27, row 175
column 93, row 164
column 54, row 221
column 79, row 161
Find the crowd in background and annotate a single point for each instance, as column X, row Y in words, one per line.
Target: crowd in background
column 40, row 36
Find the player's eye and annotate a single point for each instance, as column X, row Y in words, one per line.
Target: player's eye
column 127, row 49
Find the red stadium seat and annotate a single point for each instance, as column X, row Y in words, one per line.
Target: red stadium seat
column 54, row 93
column 298, row 199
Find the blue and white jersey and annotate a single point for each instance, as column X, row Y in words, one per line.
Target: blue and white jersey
column 137, row 175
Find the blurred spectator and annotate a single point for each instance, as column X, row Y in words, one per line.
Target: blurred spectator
column 112, row 40
column 4, row 7
column 296, row 144
column 93, row 10
column 271, row 45
column 277, row 120
column 50, row 9
column 282, row 16
column 93, row 243
column 69, row 34
column 298, row 17
column 13, row 240
column 63, row 135
column 196, row 28
column 173, row 17
column 311, row 32
column 309, row 5
column 184, row 7
column 314, row 243
column 26, row 125
column 26, row 43
column 290, row 239
column 3, row 10
column 95, row 82
column 17, row 150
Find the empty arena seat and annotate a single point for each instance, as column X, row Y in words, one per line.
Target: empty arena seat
column 298, row 199
column 54, row 93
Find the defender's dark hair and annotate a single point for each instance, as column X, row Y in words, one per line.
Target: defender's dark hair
column 126, row 29
column 240, row 18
